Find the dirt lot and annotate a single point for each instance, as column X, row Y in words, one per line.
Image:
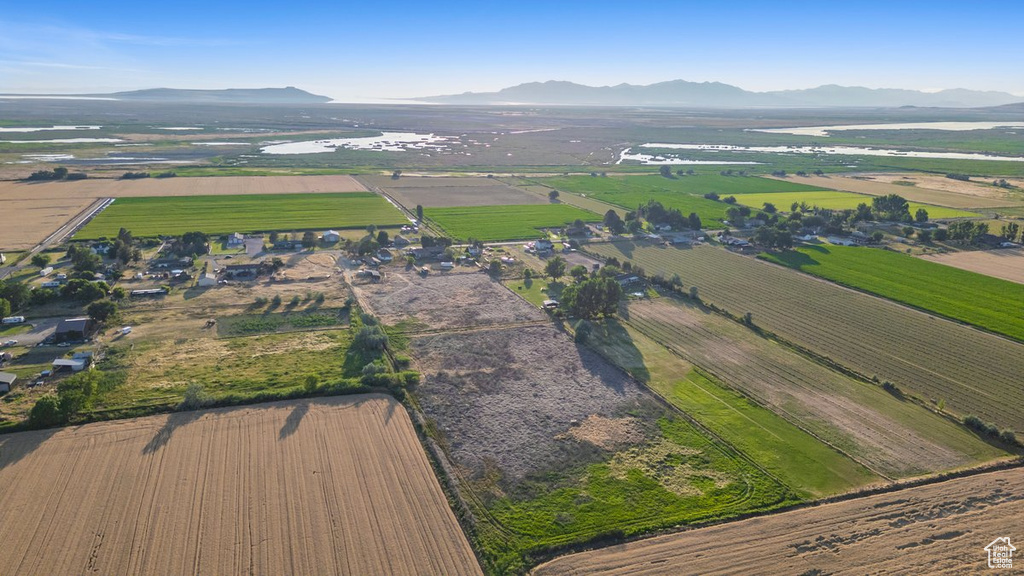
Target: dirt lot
column 332, row 486
column 1005, row 263
column 443, row 300
column 936, row 529
column 927, row 188
column 439, row 192
column 507, row 397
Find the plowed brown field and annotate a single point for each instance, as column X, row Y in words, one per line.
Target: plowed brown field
column 936, row 529
column 332, row 486
column 1007, row 264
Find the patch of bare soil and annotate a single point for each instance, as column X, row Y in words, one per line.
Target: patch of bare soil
column 443, row 300
column 928, row 188
column 607, row 433
column 93, row 188
column 936, row 529
column 1005, row 263
column 509, row 397
column 331, row 486
column 434, row 192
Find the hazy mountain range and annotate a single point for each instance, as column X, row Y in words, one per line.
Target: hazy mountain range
column 680, row 93
column 289, row 95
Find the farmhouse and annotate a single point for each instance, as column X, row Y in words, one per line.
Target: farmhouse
column 626, row 279
column 74, row 330
column 400, row 241
column 331, row 236
column 172, row 263
column 543, row 245
column 431, row 252
column 6, row 381
column 236, row 239
column 288, row 245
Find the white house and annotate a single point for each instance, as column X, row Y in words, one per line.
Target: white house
column 236, row 239
column 331, row 236
column 543, row 245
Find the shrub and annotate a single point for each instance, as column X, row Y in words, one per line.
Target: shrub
column 45, row 413
column 1008, row 436
column 311, row 383
column 195, row 397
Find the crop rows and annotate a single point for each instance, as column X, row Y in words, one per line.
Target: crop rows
column 892, row 437
column 971, row 371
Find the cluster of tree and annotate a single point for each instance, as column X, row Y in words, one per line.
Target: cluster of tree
column 135, row 175
column 967, row 231
column 613, row 222
column 75, row 395
column 774, row 237
column 655, row 213
column 1002, row 183
column 83, row 259
column 1011, row 232
column 58, row 173
column 431, row 241
column 679, row 172
column 592, row 297
column 731, row 172
column 779, row 173
column 124, row 249
column 989, row 429
column 956, row 176
column 891, row 207
column 191, row 244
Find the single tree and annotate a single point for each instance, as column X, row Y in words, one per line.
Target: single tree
column 101, row 310
column 553, row 195
column 921, row 215
column 555, row 268
column 308, row 239
column 578, row 272
column 41, row 260
column 5, row 306
column 383, row 238
column 613, row 223
column 419, row 212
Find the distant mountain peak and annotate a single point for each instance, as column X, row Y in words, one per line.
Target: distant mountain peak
column 684, row 93
column 287, row 95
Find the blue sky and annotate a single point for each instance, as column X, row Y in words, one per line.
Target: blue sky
column 362, row 51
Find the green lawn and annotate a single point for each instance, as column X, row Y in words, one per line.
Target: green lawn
column 811, row 468
column 517, row 222
column 839, row 201
column 537, row 290
column 173, row 215
column 992, row 303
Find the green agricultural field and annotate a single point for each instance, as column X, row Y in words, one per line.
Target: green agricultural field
column 840, row 201
column 991, row 303
column 517, row 222
column 166, row 215
column 685, row 193
column 965, row 370
column 807, row 465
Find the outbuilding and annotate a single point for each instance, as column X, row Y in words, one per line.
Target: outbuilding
column 66, row 365
column 7, row 381
column 74, row 330
column 331, row 236
column 206, row 280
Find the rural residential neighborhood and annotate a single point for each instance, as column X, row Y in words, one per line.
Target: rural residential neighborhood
column 551, row 289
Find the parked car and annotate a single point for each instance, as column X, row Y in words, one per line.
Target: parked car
column 11, row 343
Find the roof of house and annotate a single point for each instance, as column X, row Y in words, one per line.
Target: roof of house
column 7, row 378
column 73, row 325
column 60, row 362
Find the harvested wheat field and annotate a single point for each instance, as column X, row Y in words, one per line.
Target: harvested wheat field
column 1007, row 264
column 936, row 529
column 928, row 189
column 36, row 219
column 181, row 186
column 443, row 192
column 445, row 300
column 332, row 486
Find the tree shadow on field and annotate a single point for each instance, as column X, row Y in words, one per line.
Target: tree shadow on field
column 291, row 423
column 163, row 435
column 14, row 447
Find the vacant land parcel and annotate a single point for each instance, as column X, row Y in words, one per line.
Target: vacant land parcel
column 519, row 222
column 443, row 192
column 936, row 529
column 1007, row 264
column 970, row 371
column 257, row 213
column 28, row 222
column 181, row 186
column 552, row 445
column 255, row 490
column 925, row 188
column 991, row 303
